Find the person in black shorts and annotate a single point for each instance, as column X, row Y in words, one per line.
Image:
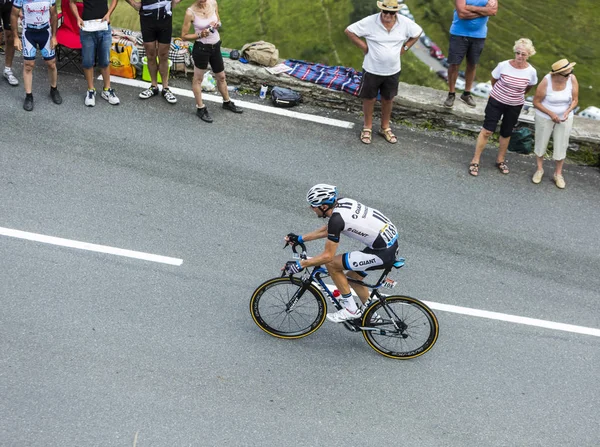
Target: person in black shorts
column 9, row 41
column 383, row 38
column 156, row 23
column 204, row 16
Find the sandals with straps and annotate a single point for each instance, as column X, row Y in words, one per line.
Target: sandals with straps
column 388, row 135
column 365, row 135
column 474, row 169
column 502, row 167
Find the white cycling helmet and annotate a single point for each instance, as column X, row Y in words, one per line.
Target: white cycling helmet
column 321, row 194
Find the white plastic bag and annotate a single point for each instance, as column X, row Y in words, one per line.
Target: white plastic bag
column 208, row 83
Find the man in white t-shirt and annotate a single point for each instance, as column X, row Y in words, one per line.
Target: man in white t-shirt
column 387, row 35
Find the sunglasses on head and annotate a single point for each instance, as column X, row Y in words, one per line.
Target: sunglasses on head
column 389, row 12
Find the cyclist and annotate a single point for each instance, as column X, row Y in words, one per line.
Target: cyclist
column 351, row 218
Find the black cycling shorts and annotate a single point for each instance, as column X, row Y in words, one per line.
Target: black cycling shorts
column 5, row 12
column 370, row 259
column 154, row 30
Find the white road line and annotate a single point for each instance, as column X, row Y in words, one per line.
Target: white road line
column 241, row 103
column 89, row 247
column 509, row 318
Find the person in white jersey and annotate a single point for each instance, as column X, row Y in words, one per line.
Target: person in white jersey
column 511, row 80
column 387, row 36
column 554, row 100
column 355, row 220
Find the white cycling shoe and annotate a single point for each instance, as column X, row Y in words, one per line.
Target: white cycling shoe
column 343, row 315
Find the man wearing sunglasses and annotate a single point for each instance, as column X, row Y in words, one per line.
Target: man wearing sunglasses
column 387, row 36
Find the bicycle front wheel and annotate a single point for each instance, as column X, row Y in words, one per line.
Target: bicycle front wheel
column 403, row 328
column 286, row 308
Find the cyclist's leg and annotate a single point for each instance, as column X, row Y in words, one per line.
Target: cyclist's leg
column 337, row 268
column 362, row 291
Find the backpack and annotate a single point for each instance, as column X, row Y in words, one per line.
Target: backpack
column 261, row 53
column 521, row 141
column 285, row 97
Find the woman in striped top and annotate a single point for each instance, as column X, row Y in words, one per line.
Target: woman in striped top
column 511, row 80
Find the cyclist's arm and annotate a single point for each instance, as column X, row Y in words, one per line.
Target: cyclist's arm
column 325, row 257
column 317, row 234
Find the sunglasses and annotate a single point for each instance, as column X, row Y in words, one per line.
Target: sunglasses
column 566, row 74
column 389, row 12
column 521, row 53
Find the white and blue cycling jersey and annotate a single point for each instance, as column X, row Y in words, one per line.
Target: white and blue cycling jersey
column 36, row 13
column 362, row 223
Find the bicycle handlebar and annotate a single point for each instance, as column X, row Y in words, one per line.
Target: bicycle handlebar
column 303, row 255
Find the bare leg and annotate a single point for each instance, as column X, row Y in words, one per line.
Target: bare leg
column 336, row 271
column 452, row 77
column 105, row 77
column 502, row 148
column 9, row 48
column 469, row 76
column 368, row 107
column 222, row 85
column 197, row 86
column 89, row 77
column 52, row 73
column 482, row 140
column 386, row 112
column 163, row 63
column 540, row 163
column 559, row 166
column 28, row 75
column 151, row 53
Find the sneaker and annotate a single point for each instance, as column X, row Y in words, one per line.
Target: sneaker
column 28, row 103
column 149, row 92
column 468, row 100
column 56, row 98
column 111, row 96
column 560, row 181
column 90, row 98
column 229, row 105
column 537, row 177
column 8, row 75
column 204, row 115
column 449, row 102
column 343, row 315
column 169, row 96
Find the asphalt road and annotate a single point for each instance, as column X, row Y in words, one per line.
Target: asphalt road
column 103, row 350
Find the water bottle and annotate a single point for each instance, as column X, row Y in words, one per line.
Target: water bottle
column 263, row 92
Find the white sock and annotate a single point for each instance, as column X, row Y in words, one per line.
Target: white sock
column 349, row 303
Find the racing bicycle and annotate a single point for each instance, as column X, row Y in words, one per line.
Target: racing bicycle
column 399, row 327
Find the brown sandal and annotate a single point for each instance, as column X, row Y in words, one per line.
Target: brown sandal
column 388, row 135
column 474, row 169
column 365, row 135
column 502, row 167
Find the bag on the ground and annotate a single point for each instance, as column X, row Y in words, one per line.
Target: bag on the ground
column 209, row 84
column 521, row 141
column 120, row 61
column 285, row 97
column 261, row 53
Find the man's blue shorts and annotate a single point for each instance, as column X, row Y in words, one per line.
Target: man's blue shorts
column 95, row 46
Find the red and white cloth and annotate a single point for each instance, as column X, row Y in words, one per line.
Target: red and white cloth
column 512, row 82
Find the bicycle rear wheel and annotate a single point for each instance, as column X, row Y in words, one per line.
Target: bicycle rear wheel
column 403, row 328
column 283, row 308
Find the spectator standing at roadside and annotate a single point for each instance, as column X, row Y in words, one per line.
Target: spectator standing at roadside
column 204, row 15
column 9, row 41
column 39, row 31
column 387, row 35
column 467, row 38
column 511, row 80
column 554, row 100
column 96, row 41
column 156, row 23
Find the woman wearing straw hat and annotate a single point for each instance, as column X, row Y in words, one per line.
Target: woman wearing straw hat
column 555, row 98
